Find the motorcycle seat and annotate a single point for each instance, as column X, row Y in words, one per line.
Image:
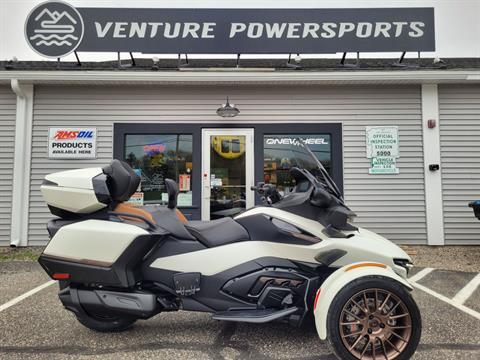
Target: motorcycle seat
column 144, row 211
column 217, row 232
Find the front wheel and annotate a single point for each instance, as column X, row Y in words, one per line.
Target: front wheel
column 374, row 318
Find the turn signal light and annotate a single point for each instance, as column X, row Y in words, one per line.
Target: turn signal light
column 61, row 276
column 356, row 266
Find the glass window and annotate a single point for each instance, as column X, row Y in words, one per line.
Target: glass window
column 158, row 157
column 227, row 175
column 277, row 156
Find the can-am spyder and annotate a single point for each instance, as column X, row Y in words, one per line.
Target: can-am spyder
column 296, row 256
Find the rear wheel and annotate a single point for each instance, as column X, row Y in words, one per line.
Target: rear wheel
column 105, row 323
column 100, row 322
column 374, row 318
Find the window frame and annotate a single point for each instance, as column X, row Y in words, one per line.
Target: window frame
column 120, row 130
column 332, row 129
column 177, row 174
column 260, row 130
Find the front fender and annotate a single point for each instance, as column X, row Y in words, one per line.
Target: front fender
column 338, row 280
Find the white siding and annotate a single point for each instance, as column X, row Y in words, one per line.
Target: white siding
column 459, row 108
column 393, row 205
column 7, row 138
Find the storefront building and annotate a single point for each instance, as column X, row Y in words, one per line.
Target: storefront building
column 397, row 136
column 164, row 123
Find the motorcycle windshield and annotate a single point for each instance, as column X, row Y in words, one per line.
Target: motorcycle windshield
column 302, row 157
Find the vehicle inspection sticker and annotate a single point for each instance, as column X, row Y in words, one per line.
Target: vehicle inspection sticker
column 382, row 149
column 72, row 143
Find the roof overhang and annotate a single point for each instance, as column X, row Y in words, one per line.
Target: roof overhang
column 241, row 77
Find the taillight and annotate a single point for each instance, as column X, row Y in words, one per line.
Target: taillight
column 316, row 299
column 61, row 276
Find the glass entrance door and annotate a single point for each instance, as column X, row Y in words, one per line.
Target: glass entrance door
column 227, row 172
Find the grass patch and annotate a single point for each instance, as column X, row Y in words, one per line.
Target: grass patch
column 20, row 254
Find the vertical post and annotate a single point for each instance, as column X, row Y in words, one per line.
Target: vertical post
column 431, row 155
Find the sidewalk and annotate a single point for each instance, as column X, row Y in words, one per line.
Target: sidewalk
column 458, row 258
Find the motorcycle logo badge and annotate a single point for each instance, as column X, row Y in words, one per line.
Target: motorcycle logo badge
column 54, row 29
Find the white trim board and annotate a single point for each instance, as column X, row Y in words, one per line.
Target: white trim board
column 212, row 76
column 431, row 155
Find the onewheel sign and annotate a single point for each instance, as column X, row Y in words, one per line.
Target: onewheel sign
column 55, row 29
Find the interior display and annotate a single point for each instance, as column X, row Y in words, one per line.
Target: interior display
column 230, row 147
column 157, row 157
column 136, row 199
column 184, row 182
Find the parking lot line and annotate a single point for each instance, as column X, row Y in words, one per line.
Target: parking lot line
column 26, row 295
column 420, row 275
column 467, row 290
column 460, row 307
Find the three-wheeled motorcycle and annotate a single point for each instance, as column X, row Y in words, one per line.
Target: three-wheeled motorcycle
column 299, row 255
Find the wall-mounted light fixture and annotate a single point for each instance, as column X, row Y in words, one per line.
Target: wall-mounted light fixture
column 228, row 110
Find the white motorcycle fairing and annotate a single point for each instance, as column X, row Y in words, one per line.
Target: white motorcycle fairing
column 341, row 278
column 362, row 246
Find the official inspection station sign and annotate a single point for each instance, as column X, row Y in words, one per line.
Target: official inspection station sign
column 72, row 143
column 382, row 149
column 55, row 29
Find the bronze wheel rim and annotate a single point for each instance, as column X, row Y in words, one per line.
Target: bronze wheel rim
column 375, row 324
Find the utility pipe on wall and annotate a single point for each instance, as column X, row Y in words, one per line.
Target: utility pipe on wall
column 21, row 163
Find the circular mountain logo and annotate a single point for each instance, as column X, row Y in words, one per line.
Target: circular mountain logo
column 54, row 29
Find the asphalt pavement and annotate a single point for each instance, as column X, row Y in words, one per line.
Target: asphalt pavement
column 38, row 327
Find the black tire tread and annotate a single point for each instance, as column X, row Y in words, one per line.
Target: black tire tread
column 114, row 325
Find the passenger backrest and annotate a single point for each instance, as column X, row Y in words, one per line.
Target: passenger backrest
column 172, row 191
column 122, row 180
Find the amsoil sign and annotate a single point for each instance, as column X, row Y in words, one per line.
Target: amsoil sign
column 55, row 28
column 72, row 143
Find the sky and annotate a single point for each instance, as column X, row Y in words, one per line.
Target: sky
column 457, row 23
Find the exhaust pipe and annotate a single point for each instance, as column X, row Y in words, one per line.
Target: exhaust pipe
column 135, row 304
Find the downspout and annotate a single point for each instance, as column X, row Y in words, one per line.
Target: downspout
column 21, row 163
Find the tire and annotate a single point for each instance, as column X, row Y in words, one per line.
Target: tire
column 389, row 327
column 105, row 324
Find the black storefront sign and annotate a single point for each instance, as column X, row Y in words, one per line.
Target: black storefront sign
column 56, row 29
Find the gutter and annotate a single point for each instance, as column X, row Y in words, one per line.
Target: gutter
column 207, row 76
column 21, row 163
column 15, row 84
